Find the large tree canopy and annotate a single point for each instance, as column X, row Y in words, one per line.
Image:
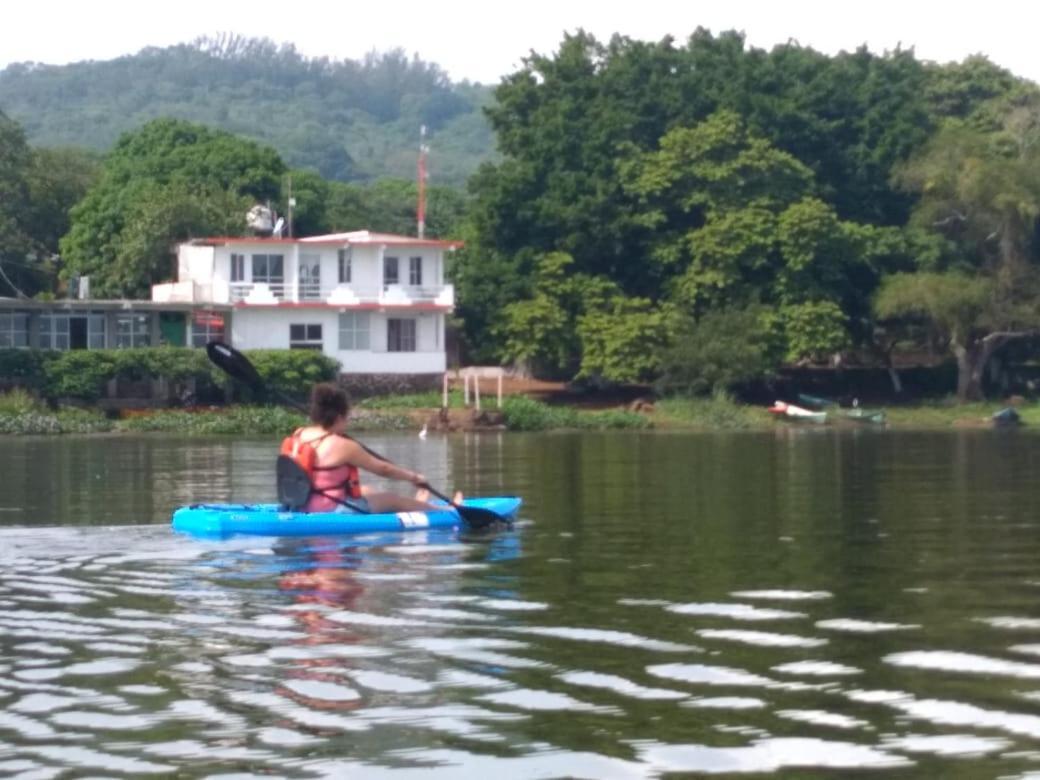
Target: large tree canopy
column 981, row 191
column 166, row 182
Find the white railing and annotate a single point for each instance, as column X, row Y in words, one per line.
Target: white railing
column 342, row 294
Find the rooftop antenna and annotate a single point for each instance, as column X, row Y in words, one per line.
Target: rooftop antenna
column 292, row 205
column 421, row 211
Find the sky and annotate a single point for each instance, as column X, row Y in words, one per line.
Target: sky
column 483, row 40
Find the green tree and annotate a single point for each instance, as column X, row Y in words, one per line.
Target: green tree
column 722, row 349
column 623, row 341
column 981, row 191
column 162, row 184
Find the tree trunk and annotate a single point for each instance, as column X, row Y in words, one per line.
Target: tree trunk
column 969, row 373
column 972, row 361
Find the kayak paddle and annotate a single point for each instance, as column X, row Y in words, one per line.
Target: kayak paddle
column 237, row 366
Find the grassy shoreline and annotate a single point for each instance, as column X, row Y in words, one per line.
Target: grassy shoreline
column 21, row 414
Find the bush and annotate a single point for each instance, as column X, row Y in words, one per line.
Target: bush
column 428, row 400
column 37, row 422
column 719, row 411
column 19, row 401
column 526, row 414
column 717, row 352
column 83, row 373
column 292, row 372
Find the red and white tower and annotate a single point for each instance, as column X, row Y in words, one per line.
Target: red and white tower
column 421, row 210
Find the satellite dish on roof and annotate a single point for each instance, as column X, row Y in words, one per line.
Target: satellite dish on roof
column 279, row 226
column 260, row 219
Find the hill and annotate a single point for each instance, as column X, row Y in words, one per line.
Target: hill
column 349, row 120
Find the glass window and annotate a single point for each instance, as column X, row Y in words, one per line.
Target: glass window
column 270, row 269
column 95, row 331
column 305, row 337
column 238, row 268
column 400, row 335
column 310, row 276
column 206, row 326
column 346, row 260
column 354, row 330
column 54, row 331
column 415, row 271
column 390, row 275
column 133, row 330
column 14, row 329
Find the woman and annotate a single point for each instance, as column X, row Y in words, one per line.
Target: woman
column 339, row 459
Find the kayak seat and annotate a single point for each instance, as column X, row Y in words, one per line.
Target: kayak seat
column 294, row 486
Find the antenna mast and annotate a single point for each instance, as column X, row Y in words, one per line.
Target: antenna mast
column 421, row 211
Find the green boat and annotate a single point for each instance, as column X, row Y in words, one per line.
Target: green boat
column 869, row 416
column 816, row 401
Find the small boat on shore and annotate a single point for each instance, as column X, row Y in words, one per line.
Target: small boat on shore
column 1006, row 418
column 816, row 401
column 869, row 416
column 780, row 408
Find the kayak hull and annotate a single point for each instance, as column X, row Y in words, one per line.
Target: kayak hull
column 220, row 521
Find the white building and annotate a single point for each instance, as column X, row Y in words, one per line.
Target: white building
column 375, row 302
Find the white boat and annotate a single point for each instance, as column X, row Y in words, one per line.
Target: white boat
column 797, row 412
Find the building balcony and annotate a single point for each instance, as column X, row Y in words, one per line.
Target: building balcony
column 275, row 293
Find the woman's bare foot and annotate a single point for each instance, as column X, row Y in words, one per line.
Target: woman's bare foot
column 422, row 494
column 457, row 498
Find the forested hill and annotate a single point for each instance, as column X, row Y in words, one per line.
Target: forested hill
column 348, row 119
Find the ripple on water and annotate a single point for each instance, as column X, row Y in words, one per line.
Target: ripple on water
column 783, row 595
column 817, row 669
column 761, row 638
column 703, row 674
column 768, row 755
column 619, row 685
column 854, row 626
column 961, row 745
column 606, row 636
column 949, row 661
column 734, row 611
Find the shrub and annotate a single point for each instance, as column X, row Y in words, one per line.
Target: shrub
column 292, row 372
column 19, row 401
column 526, row 414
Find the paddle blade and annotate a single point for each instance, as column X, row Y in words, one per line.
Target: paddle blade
column 478, row 518
column 294, row 486
column 233, row 363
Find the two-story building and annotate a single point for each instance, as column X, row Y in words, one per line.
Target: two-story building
column 375, row 302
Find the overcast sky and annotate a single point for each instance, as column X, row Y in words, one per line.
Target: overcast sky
column 482, row 40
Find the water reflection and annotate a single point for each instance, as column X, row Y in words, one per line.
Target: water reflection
column 787, row 603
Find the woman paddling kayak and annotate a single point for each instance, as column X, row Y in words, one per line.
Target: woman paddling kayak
column 337, row 461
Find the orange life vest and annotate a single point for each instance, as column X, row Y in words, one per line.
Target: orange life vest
column 305, row 453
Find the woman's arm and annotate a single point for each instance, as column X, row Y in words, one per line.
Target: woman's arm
column 354, row 454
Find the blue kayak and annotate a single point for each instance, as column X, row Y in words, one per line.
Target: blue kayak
column 223, row 520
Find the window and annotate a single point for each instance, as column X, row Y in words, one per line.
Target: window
column 206, row 326
column 415, row 271
column 238, row 268
column 270, row 269
column 400, row 335
column 346, row 258
column 305, row 337
column 133, row 330
column 14, row 329
column 354, row 329
column 310, row 276
column 390, row 271
column 95, row 331
column 54, row 331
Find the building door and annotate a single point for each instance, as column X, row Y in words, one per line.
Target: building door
column 77, row 332
column 172, row 328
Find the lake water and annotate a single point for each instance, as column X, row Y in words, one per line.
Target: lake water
column 796, row 602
